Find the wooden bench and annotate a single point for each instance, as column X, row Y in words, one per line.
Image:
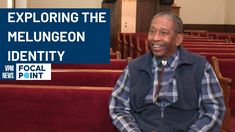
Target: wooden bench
column 37, row 108
column 209, row 46
column 203, row 40
column 115, row 55
column 214, row 50
column 75, row 77
column 208, row 55
column 226, row 84
column 208, row 43
column 225, row 68
column 118, row 64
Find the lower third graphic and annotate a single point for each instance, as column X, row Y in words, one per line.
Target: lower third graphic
column 33, row 71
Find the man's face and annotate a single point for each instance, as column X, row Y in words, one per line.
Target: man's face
column 161, row 37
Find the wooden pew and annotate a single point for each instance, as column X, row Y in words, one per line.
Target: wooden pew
column 115, row 64
column 208, row 43
column 196, row 32
column 142, row 46
column 37, row 108
column 212, row 50
column 226, row 69
column 226, row 86
column 209, row 46
column 120, row 43
column 115, row 55
column 127, row 40
column 232, row 38
column 136, row 39
column 208, row 55
column 75, row 77
column 203, row 40
column 211, row 35
column 196, row 37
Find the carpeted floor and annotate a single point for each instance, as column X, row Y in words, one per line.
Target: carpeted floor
column 233, row 121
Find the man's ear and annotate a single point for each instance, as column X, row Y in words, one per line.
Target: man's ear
column 179, row 39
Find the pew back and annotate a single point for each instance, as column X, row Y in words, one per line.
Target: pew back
column 32, row 108
column 75, row 77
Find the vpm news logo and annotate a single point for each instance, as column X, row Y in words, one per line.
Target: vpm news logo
column 33, row 71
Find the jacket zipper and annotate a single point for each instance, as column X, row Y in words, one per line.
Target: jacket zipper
column 162, row 111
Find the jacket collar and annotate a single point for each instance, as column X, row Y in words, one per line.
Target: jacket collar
column 185, row 57
column 145, row 62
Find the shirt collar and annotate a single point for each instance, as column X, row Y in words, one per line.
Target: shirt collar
column 172, row 61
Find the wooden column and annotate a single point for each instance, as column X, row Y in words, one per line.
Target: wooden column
column 115, row 21
column 146, row 9
column 176, row 9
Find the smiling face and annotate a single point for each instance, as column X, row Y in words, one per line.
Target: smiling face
column 162, row 38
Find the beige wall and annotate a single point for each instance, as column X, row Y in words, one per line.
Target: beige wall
column 230, row 12
column 202, row 11
column 21, row 3
column 64, row 3
column 6, row 4
column 192, row 11
column 128, row 22
column 3, row 4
